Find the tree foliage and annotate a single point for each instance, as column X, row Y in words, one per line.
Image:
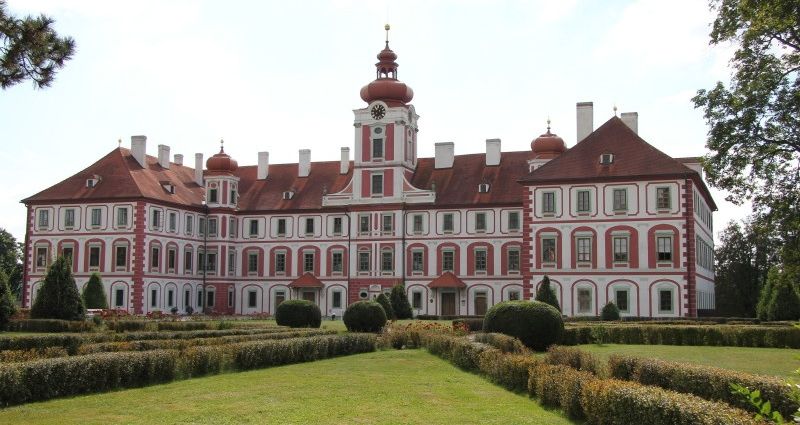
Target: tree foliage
column 30, row 49
column 94, row 295
column 610, row 311
column 7, row 305
column 754, row 121
column 58, row 298
column 11, row 260
column 783, row 301
column 400, row 305
column 546, row 294
column 383, row 300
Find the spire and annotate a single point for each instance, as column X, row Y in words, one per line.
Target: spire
column 221, row 146
column 387, row 28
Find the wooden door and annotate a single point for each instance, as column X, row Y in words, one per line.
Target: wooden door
column 448, row 304
column 309, row 296
column 480, row 303
column 280, row 297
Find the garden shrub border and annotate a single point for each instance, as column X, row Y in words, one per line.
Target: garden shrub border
column 697, row 335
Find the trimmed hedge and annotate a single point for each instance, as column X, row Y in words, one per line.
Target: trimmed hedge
column 504, row 343
column 574, row 358
column 365, row 316
column 538, row 325
column 713, row 335
column 298, row 314
column 50, row 325
column 710, row 383
column 507, row 370
column 458, row 350
column 559, row 386
column 9, row 356
column 472, row 324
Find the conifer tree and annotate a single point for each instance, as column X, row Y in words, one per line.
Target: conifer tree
column 400, row 304
column 7, row 306
column 387, row 306
column 58, row 298
column 94, row 294
column 547, row 294
column 765, row 295
column 784, row 302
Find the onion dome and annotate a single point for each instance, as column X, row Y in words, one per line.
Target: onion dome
column 386, row 86
column 221, row 162
column 548, row 145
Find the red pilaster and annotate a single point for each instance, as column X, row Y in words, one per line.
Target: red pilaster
column 690, row 300
column 139, row 253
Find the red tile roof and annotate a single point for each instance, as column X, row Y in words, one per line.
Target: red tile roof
column 447, row 280
column 267, row 194
column 307, row 280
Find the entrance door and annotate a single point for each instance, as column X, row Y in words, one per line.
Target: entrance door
column 448, row 303
column 280, row 297
column 309, row 296
column 480, row 303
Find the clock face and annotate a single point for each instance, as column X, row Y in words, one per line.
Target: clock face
column 378, row 111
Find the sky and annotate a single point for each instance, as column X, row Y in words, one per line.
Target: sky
column 280, row 76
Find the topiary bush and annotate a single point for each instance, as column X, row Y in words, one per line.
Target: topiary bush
column 383, row 300
column 400, row 304
column 94, row 295
column 538, row 325
column 364, row 316
column 546, row 294
column 784, row 302
column 58, row 298
column 610, row 312
column 298, row 314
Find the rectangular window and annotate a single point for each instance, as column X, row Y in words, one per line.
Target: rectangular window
column 337, row 225
column 119, row 298
column 187, row 261
column 41, row 257
column 363, row 261
column 122, row 217
column 363, row 224
column 583, row 201
column 387, row 261
column 387, row 223
column 156, row 219
column 377, row 184
column 67, row 253
column 171, row 259
column 170, row 298
column 233, row 196
column 621, row 249
column 377, row 148
column 417, row 264
column 210, row 299
column 231, row 262
column 253, row 227
column 155, row 257
column 417, row 223
column 280, row 262
column 584, row 247
column 230, row 299
column 201, row 226
column 309, row 226
column 416, row 300
column 281, row 227
column 664, row 244
column 153, row 298
column 212, row 262
column 620, row 197
column 337, row 299
column 665, row 301
column 94, row 257
column 336, row 261
column 621, row 299
column 480, row 222
column 252, row 262
column 252, row 301
column 200, row 298
column 232, row 230
column 513, row 221
column 663, row 198
column 97, row 215
column 308, row 262
column 584, row 300
column 447, row 223
column 549, row 250
column 513, row 260
column 549, row 203
column 212, row 196
column 173, row 222
column 44, row 218
column 480, row 260
column 513, row 295
column 189, row 224
column 448, row 261
column 69, row 218
column 212, row 227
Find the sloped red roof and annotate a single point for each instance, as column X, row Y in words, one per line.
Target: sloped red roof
column 267, row 194
column 447, row 280
column 307, row 280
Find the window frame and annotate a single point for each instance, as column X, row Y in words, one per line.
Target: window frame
column 664, row 256
column 376, row 178
column 122, row 216
column 308, row 261
column 417, row 261
column 99, row 260
column 364, row 261
column 43, row 221
column 515, row 224
column 387, row 253
column 660, row 199
column 280, row 228
column 387, row 219
column 619, row 196
column 253, row 231
column 448, row 227
column 661, row 292
column 589, row 309
column 279, row 267
column 99, row 212
column 481, row 265
column 480, row 222
column 583, row 203
column 627, row 292
column 69, row 218
column 337, row 226
column 549, row 240
column 337, row 266
column 452, row 260
column 514, row 264
column 309, row 226
column 617, row 252
column 548, row 203
column 417, row 224
column 252, row 263
column 583, row 249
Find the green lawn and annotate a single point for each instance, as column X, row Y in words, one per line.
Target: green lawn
column 779, row 362
column 408, row 387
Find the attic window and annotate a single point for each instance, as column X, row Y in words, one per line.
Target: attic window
column 483, row 188
column 287, row 195
column 606, row 158
column 90, row 183
column 169, row 188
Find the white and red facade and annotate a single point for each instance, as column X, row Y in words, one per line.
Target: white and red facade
column 461, row 232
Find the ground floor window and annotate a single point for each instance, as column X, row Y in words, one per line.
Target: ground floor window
column 187, row 296
column 584, row 300
column 200, row 298
column 280, row 297
column 480, row 303
column 621, row 299
column 665, row 301
column 170, row 298
column 230, row 297
column 337, row 299
column 513, row 295
column 210, row 298
column 252, row 299
column 119, row 298
column 416, row 300
column 153, row 298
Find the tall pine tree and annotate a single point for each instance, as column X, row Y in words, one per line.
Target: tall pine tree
column 400, row 304
column 94, row 295
column 58, row 298
column 387, row 306
column 546, row 293
column 7, row 306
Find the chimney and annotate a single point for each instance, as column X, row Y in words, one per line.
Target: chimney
column 444, row 155
column 304, row 166
column 178, row 159
column 139, row 149
column 345, row 164
column 163, row 156
column 631, row 119
column 585, row 118
column 198, row 168
column 492, row 152
column 263, row 165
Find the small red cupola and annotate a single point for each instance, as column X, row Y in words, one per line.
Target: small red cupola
column 221, row 162
column 386, row 86
column 548, row 145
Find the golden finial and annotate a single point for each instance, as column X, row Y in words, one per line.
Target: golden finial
column 387, row 28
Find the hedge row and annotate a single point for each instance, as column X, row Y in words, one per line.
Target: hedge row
column 458, row 350
column 576, row 359
column 50, row 325
column 507, row 369
column 188, row 325
column 504, row 343
column 715, row 335
column 8, row 356
column 472, row 324
column 710, row 383
column 182, row 344
column 46, row 379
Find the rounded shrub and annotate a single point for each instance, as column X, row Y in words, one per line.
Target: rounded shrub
column 364, row 316
column 537, row 324
column 298, row 314
column 610, row 312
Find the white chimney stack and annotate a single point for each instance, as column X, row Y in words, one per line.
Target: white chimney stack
column 139, row 149
column 631, row 119
column 263, row 165
column 344, row 167
column 444, row 155
column 585, row 118
column 163, row 156
column 304, row 166
column 178, row 159
column 198, row 168
column 492, row 152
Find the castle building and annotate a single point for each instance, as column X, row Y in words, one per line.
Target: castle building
column 610, row 219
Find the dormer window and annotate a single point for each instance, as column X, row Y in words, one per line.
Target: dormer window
column 168, row 187
column 212, row 196
column 483, row 188
column 90, row 183
column 606, row 158
column 287, row 195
